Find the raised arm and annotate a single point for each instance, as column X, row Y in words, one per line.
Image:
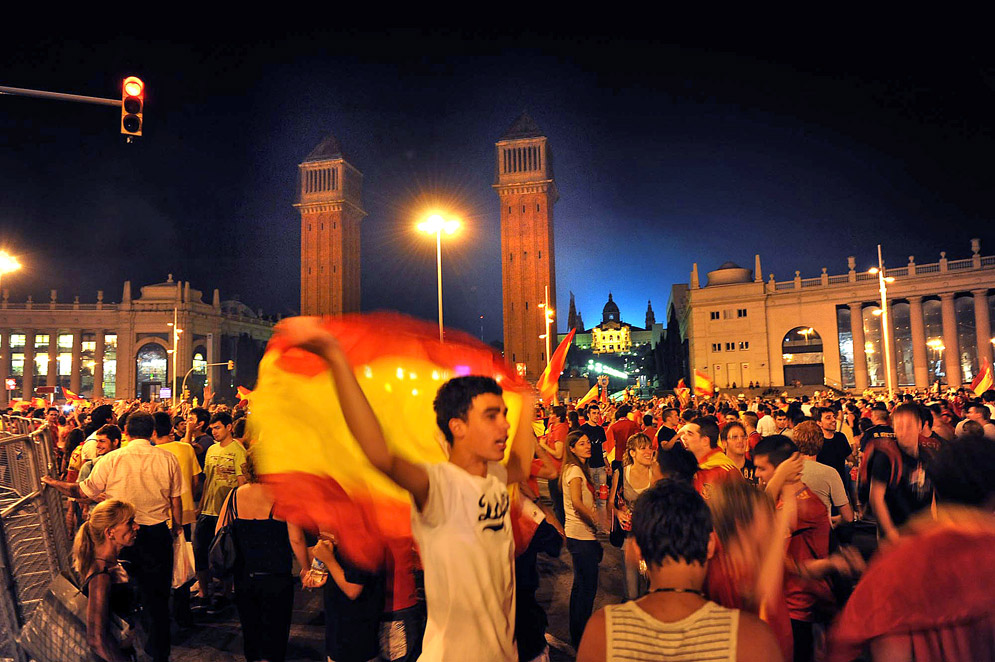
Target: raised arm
column 307, row 333
column 523, row 450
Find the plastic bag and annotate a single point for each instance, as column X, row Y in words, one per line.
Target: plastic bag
column 183, row 568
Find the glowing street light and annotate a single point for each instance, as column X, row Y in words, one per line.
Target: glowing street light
column 8, row 264
column 549, row 317
column 436, row 224
column 176, row 338
column 883, row 281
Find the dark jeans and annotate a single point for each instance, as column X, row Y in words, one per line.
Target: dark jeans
column 265, row 605
column 586, row 557
column 556, row 496
column 151, row 567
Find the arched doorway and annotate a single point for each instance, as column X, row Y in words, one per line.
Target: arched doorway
column 801, row 352
column 150, row 370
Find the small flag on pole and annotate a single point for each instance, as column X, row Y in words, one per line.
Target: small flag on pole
column 983, row 382
column 683, row 393
column 550, row 377
column 590, row 396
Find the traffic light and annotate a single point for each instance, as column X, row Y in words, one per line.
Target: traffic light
column 231, row 366
column 132, row 106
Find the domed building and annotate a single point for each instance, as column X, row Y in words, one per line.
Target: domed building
column 828, row 330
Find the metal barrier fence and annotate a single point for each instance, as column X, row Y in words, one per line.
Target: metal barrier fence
column 34, row 541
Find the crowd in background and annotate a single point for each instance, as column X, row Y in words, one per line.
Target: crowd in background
column 826, row 527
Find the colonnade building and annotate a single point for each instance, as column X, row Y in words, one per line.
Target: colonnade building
column 828, row 329
column 122, row 350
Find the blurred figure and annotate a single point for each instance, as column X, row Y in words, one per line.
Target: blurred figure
column 929, row 596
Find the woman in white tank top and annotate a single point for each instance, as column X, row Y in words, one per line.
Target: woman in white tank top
column 673, row 533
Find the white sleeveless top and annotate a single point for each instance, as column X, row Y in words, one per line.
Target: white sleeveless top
column 707, row 635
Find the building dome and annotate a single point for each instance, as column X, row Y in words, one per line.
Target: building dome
column 610, row 312
column 236, row 307
column 728, row 274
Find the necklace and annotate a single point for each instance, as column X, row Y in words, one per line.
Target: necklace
column 671, row 589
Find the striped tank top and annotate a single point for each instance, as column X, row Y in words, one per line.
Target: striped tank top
column 707, row 634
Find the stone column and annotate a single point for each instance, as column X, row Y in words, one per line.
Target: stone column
column 859, row 357
column 4, row 365
column 892, row 343
column 75, row 373
column 920, row 360
column 983, row 327
column 98, row 365
column 52, row 379
column 28, row 377
column 951, row 356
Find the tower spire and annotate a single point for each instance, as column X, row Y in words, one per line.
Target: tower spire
column 572, row 314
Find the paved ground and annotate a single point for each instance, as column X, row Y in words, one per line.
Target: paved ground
column 219, row 638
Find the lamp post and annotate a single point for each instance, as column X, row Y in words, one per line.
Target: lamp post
column 230, row 364
column 883, row 281
column 176, row 337
column 8, row 263
column 436, row 225
column 548, row 312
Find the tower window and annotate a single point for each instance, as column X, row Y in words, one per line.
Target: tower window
column 334, row 269
column 309, row 271
column 526, row 255
column 537, row 207
column 523, row 209
column 322, row 226
column 526, row 305
column 511, row 257
column 308, row 227
column 334, row 225
column 540, row 255
column 509, row 210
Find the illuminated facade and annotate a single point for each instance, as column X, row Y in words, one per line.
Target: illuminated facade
column 331, row 210
column 827, row 329
column 525, row 185
column 121, row 350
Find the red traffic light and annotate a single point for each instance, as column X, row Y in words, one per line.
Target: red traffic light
column 132, row 106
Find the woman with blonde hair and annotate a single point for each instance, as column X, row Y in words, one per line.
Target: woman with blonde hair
column 635, row 476
column 98, row 542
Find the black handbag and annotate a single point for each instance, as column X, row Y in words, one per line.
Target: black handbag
column 221, row 555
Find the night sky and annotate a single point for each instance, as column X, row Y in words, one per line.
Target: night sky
column 666, row 153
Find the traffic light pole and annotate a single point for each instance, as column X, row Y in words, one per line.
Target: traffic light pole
column 183, row 389
column 58, row 96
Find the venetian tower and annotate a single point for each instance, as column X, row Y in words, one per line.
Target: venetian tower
column 331, row 209
column 524, row 182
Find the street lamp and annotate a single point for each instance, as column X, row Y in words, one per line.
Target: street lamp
column 230, row 364
column 549, row 313
column 436, row 225
column 176, row 337
column 883, row 281
column 8, row 263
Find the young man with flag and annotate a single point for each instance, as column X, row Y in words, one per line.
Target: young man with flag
column 461, row 517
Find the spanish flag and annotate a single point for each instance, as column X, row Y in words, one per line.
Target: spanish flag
column 703, row 384
column 983, row 382
column 590, row 396
column 550, row 377
column 683, row 393
column 317, row 472
column 70, row 396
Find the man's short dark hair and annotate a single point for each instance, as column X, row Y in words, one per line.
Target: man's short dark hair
column 622, row 411
column 238, row 429
column 110, row 431
column 776, row 447
column 222, row 417
column 708, row 427
column 163, row 424
column 986, row 414
column 688, row 415
column 988, row 396
column 203, row 417
column 455, row 398
column 648, row 420
column 560, row 412
column 671, row 520
column 140, row 425
column 780, row 413
column 666, row 413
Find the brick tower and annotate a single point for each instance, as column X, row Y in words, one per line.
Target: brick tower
column 331, row 209
column 524, row 182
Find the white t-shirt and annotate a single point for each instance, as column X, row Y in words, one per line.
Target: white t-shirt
column 467, row 550
column 574, row 526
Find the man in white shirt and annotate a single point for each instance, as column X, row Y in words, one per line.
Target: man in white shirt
column 149, row 479
column 461, row 518
column 766, row 426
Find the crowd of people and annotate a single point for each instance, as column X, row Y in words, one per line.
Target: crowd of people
column 823, row 527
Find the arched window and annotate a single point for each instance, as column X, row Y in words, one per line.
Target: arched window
column 801, row 353
column 150, row 373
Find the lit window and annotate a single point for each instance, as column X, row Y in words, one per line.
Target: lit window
column 17, row 339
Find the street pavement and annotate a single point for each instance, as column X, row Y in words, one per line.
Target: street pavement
column 218, row 638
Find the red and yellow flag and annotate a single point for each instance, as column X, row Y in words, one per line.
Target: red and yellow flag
column 683, row 393
column 550, row 377
column 984, row 381
column 318, row 474
column 590, row 396
column 70, row 396
column 703, row 384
